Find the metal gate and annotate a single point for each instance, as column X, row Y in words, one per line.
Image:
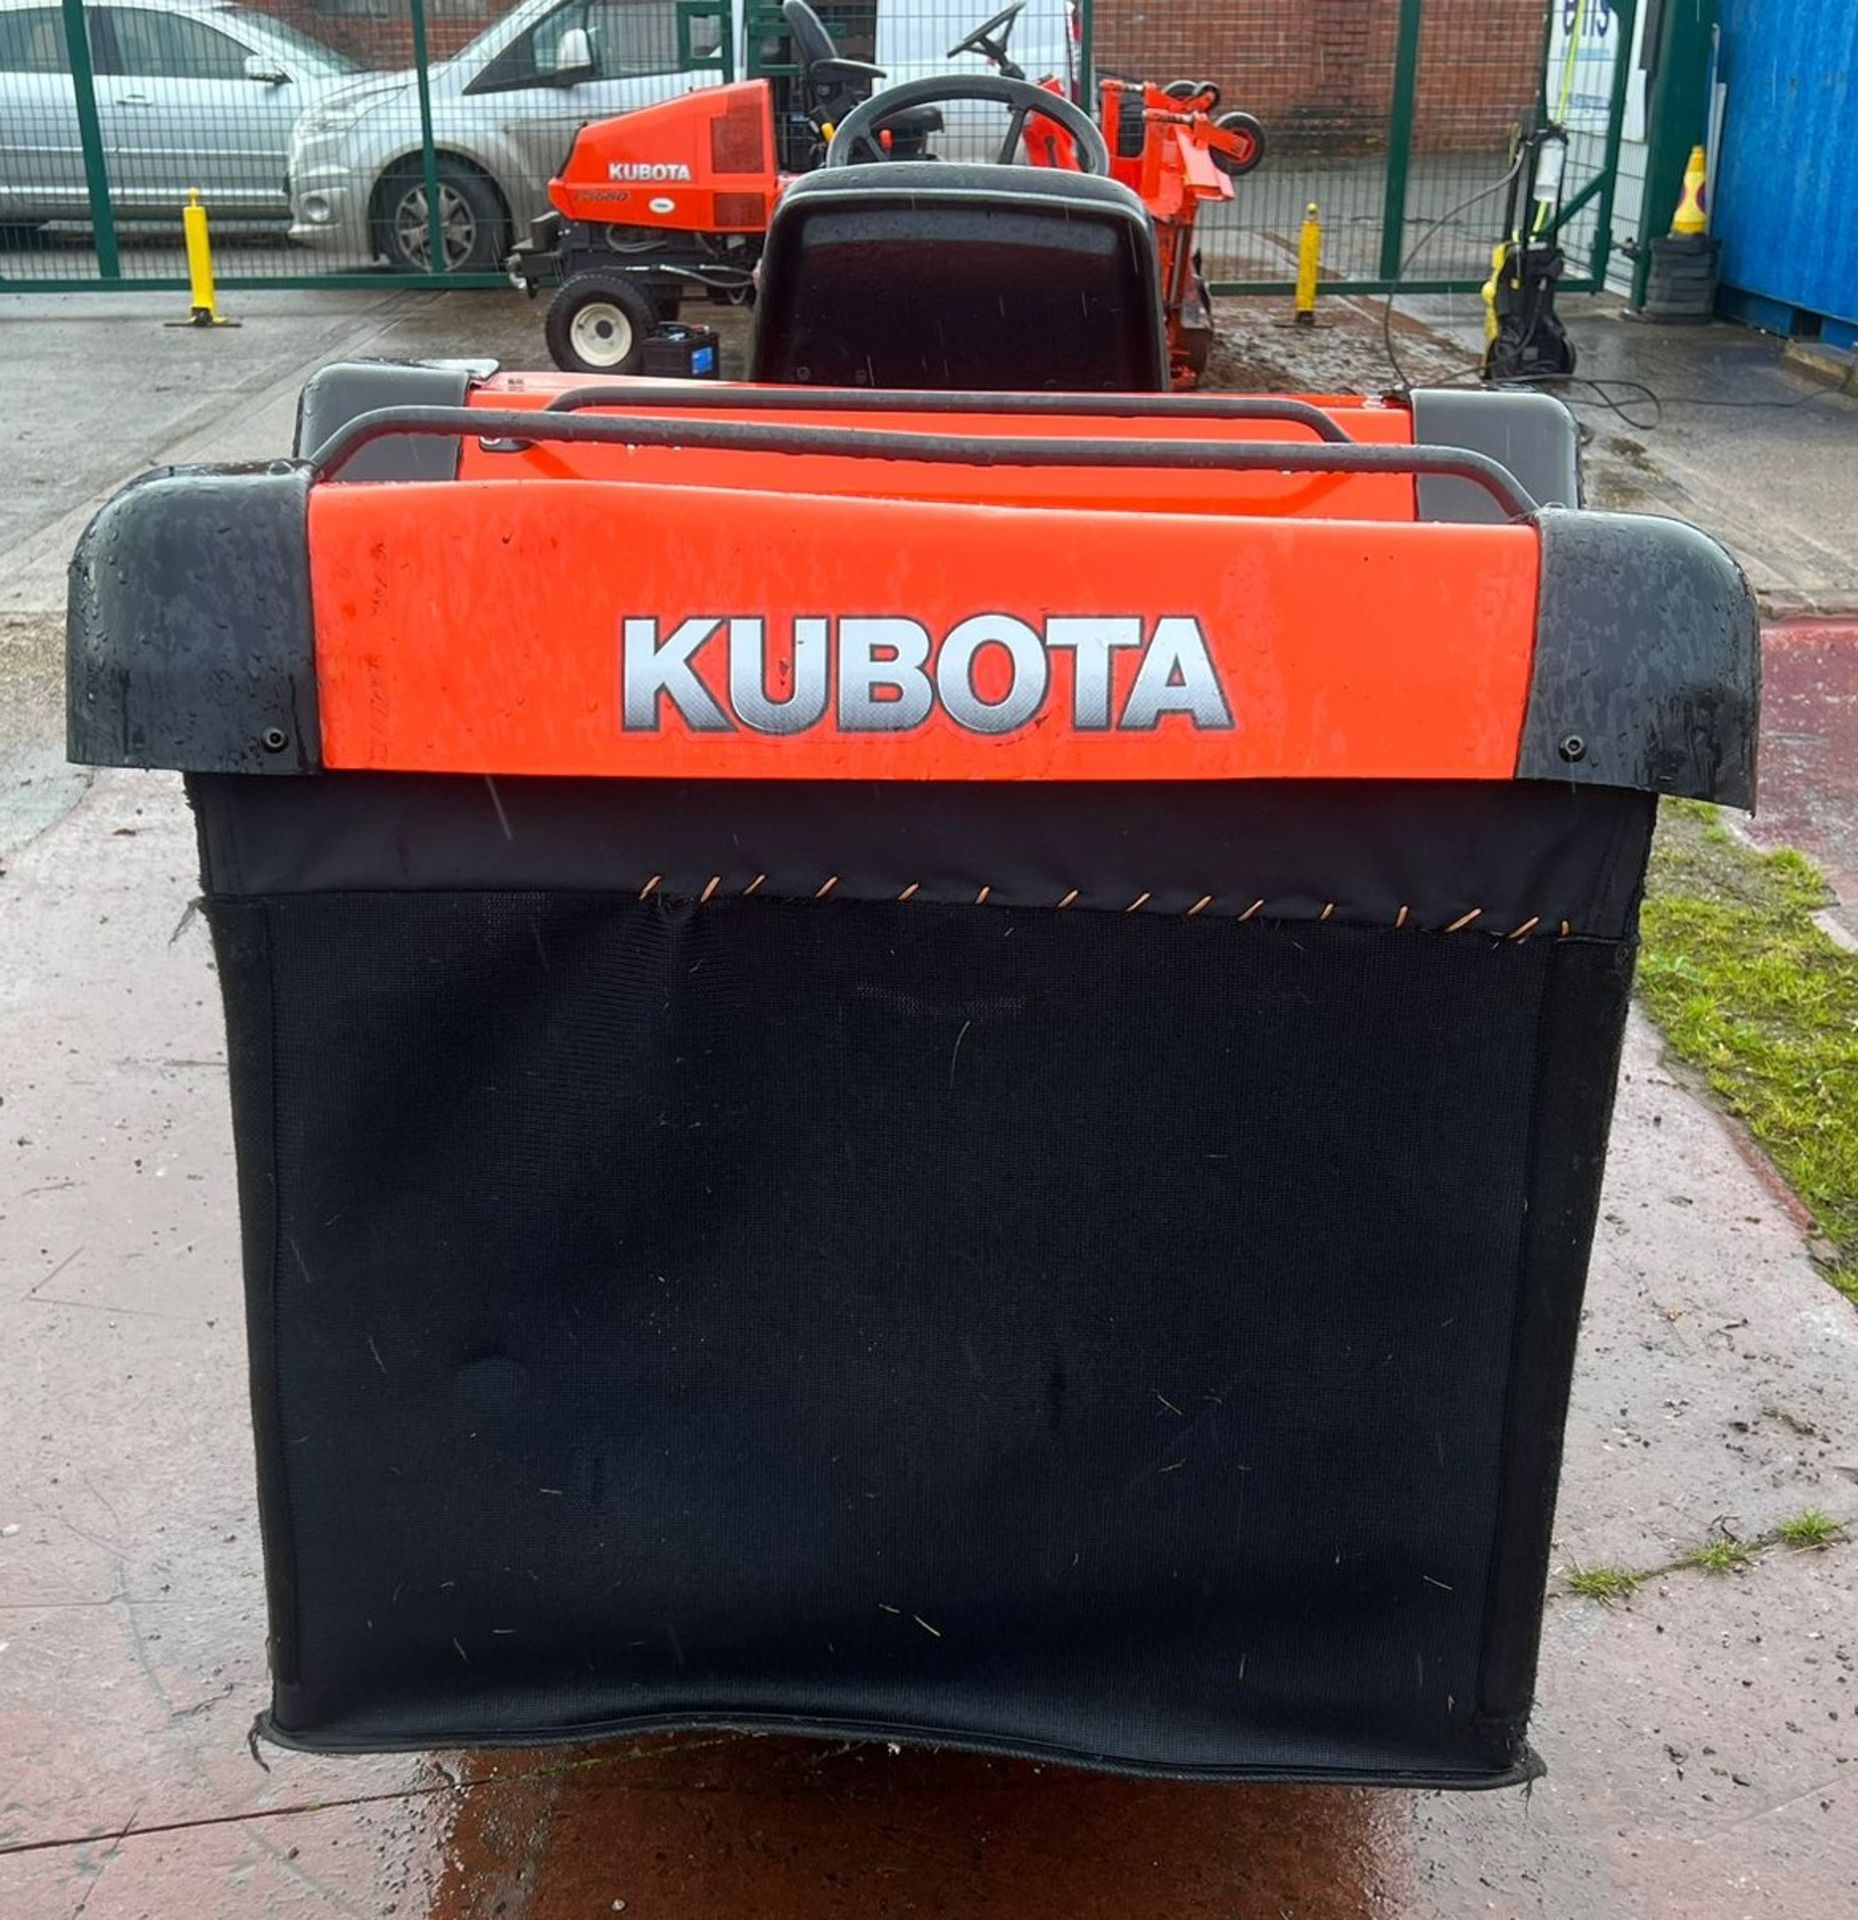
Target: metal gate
column 1395, row 120
column 347, row 143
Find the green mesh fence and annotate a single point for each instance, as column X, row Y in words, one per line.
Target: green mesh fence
column 1394, row 119
column 348, row 141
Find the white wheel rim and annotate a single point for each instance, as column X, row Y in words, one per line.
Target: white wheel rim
column 601, row 334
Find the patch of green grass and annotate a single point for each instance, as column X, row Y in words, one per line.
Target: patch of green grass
column 1809, row 1529
column 1805, row 1532
column 1749, row 990
column 1721, row 1556
column 1605, row 1584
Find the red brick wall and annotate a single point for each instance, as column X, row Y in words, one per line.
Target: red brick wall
column 1319, row 73
column 1480, row 70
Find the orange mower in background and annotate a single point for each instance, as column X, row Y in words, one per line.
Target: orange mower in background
column 1173, row 147
column 673, row 201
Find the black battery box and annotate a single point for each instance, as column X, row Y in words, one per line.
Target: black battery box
column 683, row 353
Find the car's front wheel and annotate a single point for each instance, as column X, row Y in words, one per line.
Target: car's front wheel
column 471, row 220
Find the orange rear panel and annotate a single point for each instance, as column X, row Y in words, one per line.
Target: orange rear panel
column 612, row 628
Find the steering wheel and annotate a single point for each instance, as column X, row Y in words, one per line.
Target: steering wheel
column 989, row 41
column 857, row 135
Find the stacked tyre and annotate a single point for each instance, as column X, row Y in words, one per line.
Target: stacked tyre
column 1680, row 290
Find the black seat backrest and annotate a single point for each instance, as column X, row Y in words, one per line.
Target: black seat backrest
column 925, row 274
column 830, row 84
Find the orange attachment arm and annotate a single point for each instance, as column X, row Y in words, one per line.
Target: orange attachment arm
column 611, row 628
column 1203, row 179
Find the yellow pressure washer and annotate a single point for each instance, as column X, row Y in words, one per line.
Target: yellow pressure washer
column 1523, row 336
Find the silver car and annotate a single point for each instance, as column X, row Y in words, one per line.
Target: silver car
column 190, row 93
column 505, row 110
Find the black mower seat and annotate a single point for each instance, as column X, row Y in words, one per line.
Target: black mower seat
column 931, row 274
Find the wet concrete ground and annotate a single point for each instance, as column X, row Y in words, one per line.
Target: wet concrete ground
column 1702, row 1738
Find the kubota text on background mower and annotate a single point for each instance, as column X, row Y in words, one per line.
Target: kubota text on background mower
column 674, row 200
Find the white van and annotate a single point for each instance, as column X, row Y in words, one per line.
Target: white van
column 505, row 111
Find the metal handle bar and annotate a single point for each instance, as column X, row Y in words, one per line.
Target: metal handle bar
column 744, row 436
column 1100, row 406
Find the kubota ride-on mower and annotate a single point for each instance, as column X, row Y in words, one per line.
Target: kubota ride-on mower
column 674, row 199
column 917, row 1062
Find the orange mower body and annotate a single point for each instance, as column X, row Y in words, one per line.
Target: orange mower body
column 704, row 163
column 672, row 202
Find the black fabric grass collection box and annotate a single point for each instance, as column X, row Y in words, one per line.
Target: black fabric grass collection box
column 1137, row 1340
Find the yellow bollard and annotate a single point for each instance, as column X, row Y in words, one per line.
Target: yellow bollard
column 1690, row 216
column 1309, row 265
column 205, row 307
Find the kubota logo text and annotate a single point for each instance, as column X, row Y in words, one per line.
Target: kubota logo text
column 991, row 673
column 647, row 170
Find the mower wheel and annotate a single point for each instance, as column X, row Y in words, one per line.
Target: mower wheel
column 1248, row 129
column 598, row 323
column 1194, row 90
